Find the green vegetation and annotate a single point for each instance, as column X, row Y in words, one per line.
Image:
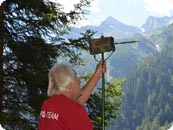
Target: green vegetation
column 113, row 95
column 29, row 31
column 148, row 93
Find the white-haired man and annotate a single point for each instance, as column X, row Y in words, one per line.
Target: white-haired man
column 64, row 109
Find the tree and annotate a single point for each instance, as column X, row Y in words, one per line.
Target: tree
column 31, row 41
column 152, row 110
column 1, row 55
column 112, row 103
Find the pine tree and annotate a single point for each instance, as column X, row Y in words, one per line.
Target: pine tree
column 30, row 31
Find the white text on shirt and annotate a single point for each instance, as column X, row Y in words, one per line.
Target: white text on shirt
column 49, row 115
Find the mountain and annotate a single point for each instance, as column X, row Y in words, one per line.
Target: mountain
column 130, row 55
column 147, row 65
column 112, row 27
column 154, row 23
column 118, row 27
column 127, row 56
column 109, row 27
column 111, row 22
column 147, row 103
column 163, row 36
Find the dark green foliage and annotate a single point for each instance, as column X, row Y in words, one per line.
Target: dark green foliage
column 32, row 41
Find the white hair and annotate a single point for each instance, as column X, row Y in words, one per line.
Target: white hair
column 60, row 76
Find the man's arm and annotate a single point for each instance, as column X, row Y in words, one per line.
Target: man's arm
column 89, row 86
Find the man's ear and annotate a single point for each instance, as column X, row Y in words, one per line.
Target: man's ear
column 69, row 87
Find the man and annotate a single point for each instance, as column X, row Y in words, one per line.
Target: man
column 64, row 109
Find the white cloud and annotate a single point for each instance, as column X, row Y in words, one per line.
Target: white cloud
column 1, row 1
column 160, row 7
column 171, row 1
column 171, row 127
column 1, row 127
column 95, row 7
column 67, row 4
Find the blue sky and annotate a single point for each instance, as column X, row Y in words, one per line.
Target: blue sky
column 131, row 12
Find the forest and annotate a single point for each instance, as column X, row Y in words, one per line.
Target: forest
column 147, row 103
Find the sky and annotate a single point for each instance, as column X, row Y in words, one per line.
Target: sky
column 130, row 12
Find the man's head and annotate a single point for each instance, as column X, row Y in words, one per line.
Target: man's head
column 63, row 80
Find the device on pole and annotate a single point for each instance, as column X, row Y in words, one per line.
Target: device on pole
column 100, row 46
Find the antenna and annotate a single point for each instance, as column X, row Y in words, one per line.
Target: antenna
column 100, row 46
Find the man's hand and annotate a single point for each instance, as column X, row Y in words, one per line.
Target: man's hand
column 100, row 68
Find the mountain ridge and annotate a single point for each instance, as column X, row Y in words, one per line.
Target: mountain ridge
column 126, row 57
column 113, row 27
column 155, row 23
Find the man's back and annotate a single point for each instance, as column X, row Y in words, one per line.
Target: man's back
column 61, row 113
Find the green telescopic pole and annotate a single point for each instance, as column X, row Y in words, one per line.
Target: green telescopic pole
column 103, row 97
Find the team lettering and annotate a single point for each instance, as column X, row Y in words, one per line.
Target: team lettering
column 49, row 115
